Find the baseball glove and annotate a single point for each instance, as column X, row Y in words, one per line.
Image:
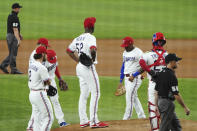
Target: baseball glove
column 63, row 86
column 52, row 91
column 120, row 90
column 85, row 60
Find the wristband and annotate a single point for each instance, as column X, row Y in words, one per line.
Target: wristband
column 136, row 74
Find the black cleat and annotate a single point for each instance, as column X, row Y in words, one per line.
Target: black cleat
column 16, row 72
column 4, row 70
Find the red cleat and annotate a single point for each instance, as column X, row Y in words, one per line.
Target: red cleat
column 99, row 125
column 85, row 125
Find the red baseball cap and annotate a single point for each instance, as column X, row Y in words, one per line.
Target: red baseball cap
column 89, row 22
column 127, row 41
column 44, row 41
column 41, row 50
column 51, row 56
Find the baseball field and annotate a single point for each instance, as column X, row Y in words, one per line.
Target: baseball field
column 61, row 21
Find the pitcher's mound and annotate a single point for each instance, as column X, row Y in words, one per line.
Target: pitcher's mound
column 129, row 125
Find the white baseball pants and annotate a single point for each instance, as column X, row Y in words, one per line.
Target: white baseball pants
column 41, row 110
column 57, row 109
column 56, row 105
column 132, row 98
column 89, row 83
column 154, row 119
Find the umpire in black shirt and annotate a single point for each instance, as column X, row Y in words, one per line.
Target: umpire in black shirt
column 166, row 92
column 13, row 40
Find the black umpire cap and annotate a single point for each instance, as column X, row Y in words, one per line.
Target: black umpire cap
column 16, row 5
column 172, row 57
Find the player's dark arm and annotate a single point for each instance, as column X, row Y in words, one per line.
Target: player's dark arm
column 47, row 82
column 57, row 73
column 181, row 102
column 93, row 53
column 72, row 55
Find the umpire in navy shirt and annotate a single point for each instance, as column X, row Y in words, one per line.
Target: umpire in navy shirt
column 166, row 92
column 13, row 40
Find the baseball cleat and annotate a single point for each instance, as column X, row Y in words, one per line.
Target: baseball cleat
column 85, row 125
column 99, row 125
column 64, row 124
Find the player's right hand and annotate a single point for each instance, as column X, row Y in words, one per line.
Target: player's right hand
column 131, row 78
column 187, row 111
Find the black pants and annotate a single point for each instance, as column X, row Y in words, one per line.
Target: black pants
column 169, row 119
column 13, row 49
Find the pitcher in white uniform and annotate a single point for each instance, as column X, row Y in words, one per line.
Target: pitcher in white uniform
column 130, row 64
column 38, row 84
column 88, row 77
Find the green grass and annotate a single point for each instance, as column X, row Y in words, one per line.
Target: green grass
column 15, row 108
column 63, row 19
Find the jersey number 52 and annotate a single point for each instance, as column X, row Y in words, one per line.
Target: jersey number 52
column 79, row 46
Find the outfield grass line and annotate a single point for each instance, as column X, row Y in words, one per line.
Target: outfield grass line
column 63, row 20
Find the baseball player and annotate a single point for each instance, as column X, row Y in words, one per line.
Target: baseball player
column 51, row 64
column 153, row 60
column 85, row 45
column 57, row 108
column 131, row 57
column 38, row 84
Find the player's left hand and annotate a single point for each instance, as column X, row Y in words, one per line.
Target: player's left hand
column 21, row 37
column 63, row 86
column 52, row 91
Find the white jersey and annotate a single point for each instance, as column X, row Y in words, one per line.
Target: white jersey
column 37, row 75
column 51, row 67
column 31, row 58
column 150, row 58
column 83, row 43
column 131, row 60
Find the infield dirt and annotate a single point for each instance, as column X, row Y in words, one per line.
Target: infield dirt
column 109, row 55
